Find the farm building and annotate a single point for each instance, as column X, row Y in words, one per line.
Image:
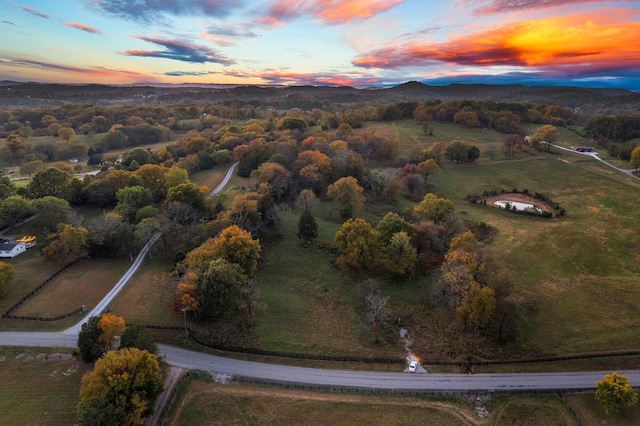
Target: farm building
column 8, row 249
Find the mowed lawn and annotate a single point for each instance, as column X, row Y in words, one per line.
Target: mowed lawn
column 36, row 391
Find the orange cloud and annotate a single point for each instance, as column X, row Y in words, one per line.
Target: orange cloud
column 598, row 41
column 82, row 27
column 330, row 12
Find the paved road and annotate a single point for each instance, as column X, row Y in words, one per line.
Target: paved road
column 225, row 180
column 628, row 172
column 102, row 305
column 366, row 379
column 220, row 366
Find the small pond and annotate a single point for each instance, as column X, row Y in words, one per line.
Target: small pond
column 514, row 205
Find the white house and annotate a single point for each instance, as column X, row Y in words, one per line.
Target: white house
column 11, row 249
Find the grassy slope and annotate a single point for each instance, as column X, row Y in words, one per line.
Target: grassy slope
column 309, row 306
column 211, row 403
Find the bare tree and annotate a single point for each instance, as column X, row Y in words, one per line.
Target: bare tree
column 376, row 310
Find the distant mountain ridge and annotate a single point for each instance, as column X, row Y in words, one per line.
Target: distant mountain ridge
column 585, row 100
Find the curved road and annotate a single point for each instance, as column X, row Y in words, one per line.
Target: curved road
column 331, row 378
column 628, row 172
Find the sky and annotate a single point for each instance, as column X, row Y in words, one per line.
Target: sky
column 358, row 43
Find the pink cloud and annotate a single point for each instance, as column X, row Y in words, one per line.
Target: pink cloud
column 35, row 12
column 82, row 27
column 331, row 12
column 273, row 76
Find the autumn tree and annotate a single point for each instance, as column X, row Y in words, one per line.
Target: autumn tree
column 347, row 196
column 67, row 245
column 463, row 264
column 153, row 178
column 110, row 326
column 244, row 211
column 314, row 169
column 307, row 227
column 400, row 255
column 7, row 272
column 635, row 158
column 15, row 147
column 434, row 209
column 427, row 168
column 544, row 136
column 121, row 389
column 66, row 133
column 190, row 194
column 233, row 245
column 614, row 391
column 276, row 176
column 359, row 245
column 477, row 307
column 512, row 144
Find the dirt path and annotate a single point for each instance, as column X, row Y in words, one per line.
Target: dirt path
column 172, row 377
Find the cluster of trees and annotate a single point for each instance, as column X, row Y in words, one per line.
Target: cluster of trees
column 121, row 389
column 619, row 134
column 477, row 292
column 216, row 280
column 125, row 381
column 395, row 247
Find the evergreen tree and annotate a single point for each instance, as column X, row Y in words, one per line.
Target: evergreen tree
column 307, row 227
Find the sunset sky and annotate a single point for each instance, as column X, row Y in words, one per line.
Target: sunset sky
column 322, row 42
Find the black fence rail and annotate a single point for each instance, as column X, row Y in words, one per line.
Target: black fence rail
column 347, row 358
column 256, row 351
column 44, row 319
column 573, row 412
column 32, row 293
column 555, row 358
column 405, row 392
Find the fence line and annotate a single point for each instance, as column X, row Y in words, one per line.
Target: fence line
column 47, row 319
column 32, row 293
column 405, row 392
column 346, row 358
column 571, row 409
